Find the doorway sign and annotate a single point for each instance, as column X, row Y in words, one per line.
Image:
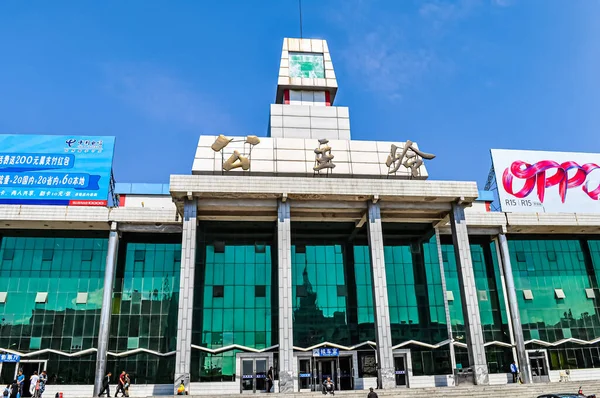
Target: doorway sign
column 326, row 352
column 10, row 358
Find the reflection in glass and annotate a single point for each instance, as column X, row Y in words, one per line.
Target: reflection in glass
column 62, row 267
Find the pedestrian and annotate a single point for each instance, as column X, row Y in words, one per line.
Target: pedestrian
column 181, row 389
column 515, row 371
column 121, row 384
column 14, row 389
column 106, row 385
column 127, row 384
column 33, row 384
column 42, row 383
column 20, row 381
column 270, row 379
column 372, row 394
column 328, row 387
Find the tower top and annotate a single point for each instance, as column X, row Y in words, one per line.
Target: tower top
column 305, row 65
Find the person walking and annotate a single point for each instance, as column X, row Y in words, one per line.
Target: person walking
column 42, row 383
column 514, row 370
column 372, row 394
column 33, row 384
column 106, row 385
column 270, row 379
column 121, row 385
column 127, row 384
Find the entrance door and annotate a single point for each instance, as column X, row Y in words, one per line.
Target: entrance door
column 346, row 377
column 247, row 375
column 304, row 374
column 400, row 367
column 539, row 368
column 326, row 369
column 260, row 371
column 254, row 375
column 28, row 369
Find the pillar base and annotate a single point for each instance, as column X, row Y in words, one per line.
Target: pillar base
column 286, row 382
column 388, row 378
column 179, row 377
column 480, row 375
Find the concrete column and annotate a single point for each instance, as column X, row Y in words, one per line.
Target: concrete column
column 186, row 295
column 286, row 325
column 385, row 359
column 514, row 310
column 446, row 306
column 468, row 290
column 506, row 304
column 106, row 312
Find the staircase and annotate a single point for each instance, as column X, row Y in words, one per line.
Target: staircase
column 504, row 391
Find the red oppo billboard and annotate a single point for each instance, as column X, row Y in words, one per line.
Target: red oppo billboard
column 547, row 182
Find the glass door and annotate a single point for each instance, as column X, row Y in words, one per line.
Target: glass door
column 346, row 381
column 260, row 371
column 247, row 375
column 28, row 369
column 400, row 368
column 327, row 369
column 304, row 374
column 539, row 370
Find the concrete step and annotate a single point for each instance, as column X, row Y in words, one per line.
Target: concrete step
column 494, row 391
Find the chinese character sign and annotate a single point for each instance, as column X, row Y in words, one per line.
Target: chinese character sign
column 236, row 159
column 410, row 157
column 55, row 170
column 547, row 182
column 326, row 352
column 10, row 358
column 323, row 157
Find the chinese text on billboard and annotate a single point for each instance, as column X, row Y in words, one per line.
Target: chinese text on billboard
column 55, row 170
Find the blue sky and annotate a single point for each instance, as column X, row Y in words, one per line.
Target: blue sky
column 459, row 77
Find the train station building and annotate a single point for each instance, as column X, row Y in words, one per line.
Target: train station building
column 309, row 252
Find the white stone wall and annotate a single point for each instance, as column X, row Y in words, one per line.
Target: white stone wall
column 296, row 157
column 307, row 46
column 150, row 201
column 309, row 121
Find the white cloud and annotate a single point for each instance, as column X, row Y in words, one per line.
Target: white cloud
column 162, row 97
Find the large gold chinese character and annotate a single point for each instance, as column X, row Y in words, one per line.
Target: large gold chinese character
column 410, row 157
column 323, row 157
column 236, row 159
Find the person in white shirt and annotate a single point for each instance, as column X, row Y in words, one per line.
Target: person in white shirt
column 33, row 385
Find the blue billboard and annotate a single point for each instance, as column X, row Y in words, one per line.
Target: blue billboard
column 55, row 169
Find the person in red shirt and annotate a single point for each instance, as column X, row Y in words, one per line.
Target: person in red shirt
column 121, row 385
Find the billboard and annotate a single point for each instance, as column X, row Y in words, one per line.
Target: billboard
column 547, row 182
column 55, row 170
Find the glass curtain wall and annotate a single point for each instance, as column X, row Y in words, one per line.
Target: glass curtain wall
column 43, row 277
column 492, row 309
column 416, row 303
column 554, row 275
column 332, row 289
column 235, row 299
column 145, row 306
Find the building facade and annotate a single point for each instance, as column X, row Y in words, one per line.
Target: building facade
column 305, row 251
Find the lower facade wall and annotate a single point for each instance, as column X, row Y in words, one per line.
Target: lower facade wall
column 141, row 390
column 233, row 387
column 431, row 381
